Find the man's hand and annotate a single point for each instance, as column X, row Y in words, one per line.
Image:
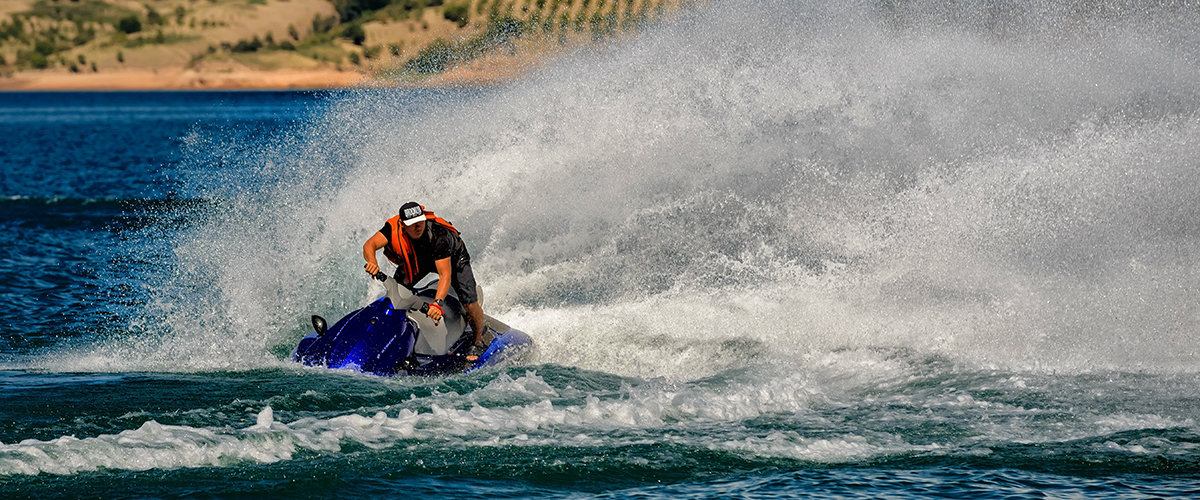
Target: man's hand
column 434, row 312
column 372, row 268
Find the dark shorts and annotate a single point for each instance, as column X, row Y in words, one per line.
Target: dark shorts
column 464, row 281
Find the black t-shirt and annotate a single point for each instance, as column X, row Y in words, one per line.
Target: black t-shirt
column 436, row 244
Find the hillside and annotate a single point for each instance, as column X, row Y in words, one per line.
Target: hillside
column 173, row 44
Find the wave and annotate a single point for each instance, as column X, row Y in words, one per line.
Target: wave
column 20, row 203
column 818, row 416
column 1005, row 185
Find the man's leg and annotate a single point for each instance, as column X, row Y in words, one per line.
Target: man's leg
column 475, row 316
column 464, row 286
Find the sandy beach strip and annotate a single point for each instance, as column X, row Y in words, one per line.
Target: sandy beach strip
column 180, row 79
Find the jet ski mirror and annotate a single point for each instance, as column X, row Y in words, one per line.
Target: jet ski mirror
column 319, row 325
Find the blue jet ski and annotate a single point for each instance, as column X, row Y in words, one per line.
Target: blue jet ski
column 393, row 336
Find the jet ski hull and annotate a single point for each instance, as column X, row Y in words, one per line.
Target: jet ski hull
column 382, row 340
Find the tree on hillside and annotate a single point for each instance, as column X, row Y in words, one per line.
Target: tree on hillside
column 251, row 45
column 153, row 17
column 44, row 46
column 350, row 10
column 129, row 24
column 38, row 61
column 457, row 12
column 323, row 24
column 84, row 33
column 15, row 29
column 355, row 34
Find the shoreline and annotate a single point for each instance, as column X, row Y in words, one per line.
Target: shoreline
column 489, row 70
column 180, row 79
column 175, row 79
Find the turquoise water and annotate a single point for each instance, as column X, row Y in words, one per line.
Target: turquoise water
column 772, row 249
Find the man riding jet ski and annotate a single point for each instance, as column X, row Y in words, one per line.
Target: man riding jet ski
column 393, row 336
column 419, row 242
column 420, row 325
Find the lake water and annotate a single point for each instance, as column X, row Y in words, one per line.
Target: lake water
column 771, row 249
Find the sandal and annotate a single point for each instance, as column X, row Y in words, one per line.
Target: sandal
column 475, row 352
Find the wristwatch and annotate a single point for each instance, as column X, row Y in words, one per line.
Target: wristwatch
column 441, row 302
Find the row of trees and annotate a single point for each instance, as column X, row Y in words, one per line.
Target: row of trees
column 552, row 7
column 506, row 20
column 39, row 59
column 256, row 44
column 351, row 10
column 541, row 17
column 38, row 43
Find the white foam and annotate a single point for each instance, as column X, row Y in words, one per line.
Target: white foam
column 526, row 411
column 802, row 176
column 449, row 417
column 788, row 444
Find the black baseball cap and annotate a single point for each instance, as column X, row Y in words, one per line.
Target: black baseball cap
column 412, row 213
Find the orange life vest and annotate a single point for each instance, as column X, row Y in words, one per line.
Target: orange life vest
column 402, row 253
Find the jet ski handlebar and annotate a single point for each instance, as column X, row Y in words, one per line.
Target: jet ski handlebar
column 379, row 275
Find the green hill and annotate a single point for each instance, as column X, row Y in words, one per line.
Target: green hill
column 401, row 40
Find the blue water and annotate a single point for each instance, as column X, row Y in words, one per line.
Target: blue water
column 769, row 249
